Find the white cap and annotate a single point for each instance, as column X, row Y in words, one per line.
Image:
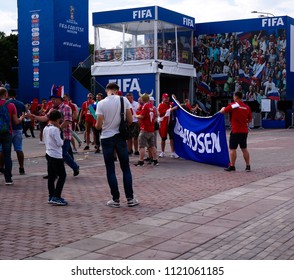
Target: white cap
column 151, row 98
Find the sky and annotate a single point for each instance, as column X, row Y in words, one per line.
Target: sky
column 202, row 11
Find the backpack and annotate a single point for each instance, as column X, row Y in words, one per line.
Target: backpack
column 4, row 120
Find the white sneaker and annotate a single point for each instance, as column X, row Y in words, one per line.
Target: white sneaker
column 161, row 155
column 133, row 202
column 41, row 142
column 112, row 203
column 74, row 151
column 174, row 155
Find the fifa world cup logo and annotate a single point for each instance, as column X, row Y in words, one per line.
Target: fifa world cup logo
column 72, row 12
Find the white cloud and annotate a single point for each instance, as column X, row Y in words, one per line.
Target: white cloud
column 8, row 21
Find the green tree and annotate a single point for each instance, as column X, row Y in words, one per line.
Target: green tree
column 8, row 58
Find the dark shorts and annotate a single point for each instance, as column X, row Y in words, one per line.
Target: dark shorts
column 238, row 139
column 134, row 130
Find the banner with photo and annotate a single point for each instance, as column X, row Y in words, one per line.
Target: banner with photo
column 201, row 139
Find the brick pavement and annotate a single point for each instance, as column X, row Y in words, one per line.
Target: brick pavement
column 188, row 210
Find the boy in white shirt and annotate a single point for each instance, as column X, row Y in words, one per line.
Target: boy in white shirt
column 55, row 163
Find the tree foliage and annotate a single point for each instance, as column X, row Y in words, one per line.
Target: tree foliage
column 8, row 58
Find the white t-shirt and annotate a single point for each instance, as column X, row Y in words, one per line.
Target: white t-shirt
column 53, row 141
column 109, row 108
column 134, row 106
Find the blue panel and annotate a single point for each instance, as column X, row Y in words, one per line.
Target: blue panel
column 241, row 25
column 145, row 13
column 131, row 83
column 41, row 39
column 125, row 15
column 57, row 73
column 71, row 30
column 176, row 18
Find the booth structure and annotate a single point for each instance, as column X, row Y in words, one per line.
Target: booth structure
column 153, row 51
column 243, row 54
column 52, row 40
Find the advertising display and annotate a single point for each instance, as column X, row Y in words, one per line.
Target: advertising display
column 136, row 84
column 252, row 56
column 49, row 31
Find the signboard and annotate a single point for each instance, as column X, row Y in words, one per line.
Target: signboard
column 144, row 13
column 131, row 83
column 265, row 105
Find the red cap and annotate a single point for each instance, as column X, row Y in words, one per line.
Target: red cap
column 165, row 95
column 119, row 93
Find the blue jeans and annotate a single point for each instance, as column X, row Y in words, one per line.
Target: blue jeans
column 6, row 142
column 109, row 145
column 68, row 159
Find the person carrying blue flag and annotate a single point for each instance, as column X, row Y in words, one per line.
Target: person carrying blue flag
column 241, row 116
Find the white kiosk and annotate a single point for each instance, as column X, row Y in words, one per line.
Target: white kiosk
column 147, row 49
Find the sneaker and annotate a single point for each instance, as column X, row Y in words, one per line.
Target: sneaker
column 50, row 199
column 41, row 142
column 139, row 163
column 76, row 172
column 174, row 155
column 97, row 151
column 155, row 162
column 45, row 177
column 230, row 168
column 247, row 169
column 74, row 151
column 132, row 202
column 21, row 171
column 113, row 203
column 58, row 201
column 8, row 182
column 161, row 155
column 136, row 153
column 86, row 148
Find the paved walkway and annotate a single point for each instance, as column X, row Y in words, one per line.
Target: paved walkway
column 188, row 210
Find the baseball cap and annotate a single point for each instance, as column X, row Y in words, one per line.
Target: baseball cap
column 151, row 98
column 165, row 95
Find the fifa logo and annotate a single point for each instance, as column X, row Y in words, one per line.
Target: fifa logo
column 72, row 12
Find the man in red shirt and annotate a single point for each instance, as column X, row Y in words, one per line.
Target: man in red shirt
column 241, row 116
column 89, row 119
column 147, row 117
column 165, row 110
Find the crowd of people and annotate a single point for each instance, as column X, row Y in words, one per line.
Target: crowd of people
column 58, row 121
column 252, row 63
column 59, row 118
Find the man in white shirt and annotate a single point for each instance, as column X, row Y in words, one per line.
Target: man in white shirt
column 108, row 119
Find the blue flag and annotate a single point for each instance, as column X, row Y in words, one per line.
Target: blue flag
column 202, row 139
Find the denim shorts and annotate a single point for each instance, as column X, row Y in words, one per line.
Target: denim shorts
column 17, row 140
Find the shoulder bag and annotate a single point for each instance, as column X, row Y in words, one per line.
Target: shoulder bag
column 123, row 127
